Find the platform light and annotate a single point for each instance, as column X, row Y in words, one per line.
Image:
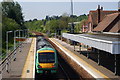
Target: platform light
column 7, row 48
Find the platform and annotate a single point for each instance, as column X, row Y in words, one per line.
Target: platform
column 29, row 67
column 88, row 65
column 16, row 67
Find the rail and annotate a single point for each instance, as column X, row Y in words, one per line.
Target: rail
column 67, row 76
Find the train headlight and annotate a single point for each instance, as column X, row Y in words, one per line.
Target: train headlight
column 39, row 66
column 54, row 65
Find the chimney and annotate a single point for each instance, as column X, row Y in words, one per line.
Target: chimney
column 119, row 6
column 98, row 10
column 101, row 8
column 119, row 9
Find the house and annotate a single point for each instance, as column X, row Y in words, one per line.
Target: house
column 96, row 16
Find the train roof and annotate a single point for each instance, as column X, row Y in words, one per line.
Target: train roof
column 43, row 44
column 46, row 48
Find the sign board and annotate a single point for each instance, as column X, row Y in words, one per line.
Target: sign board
column 20, row 38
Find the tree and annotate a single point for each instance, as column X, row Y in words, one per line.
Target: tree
column 47, row 18
column 52, row 25
column 13, row 10
column 81, row 17
column 64, row 22
column 34, row 19
column 78, row 27
column 12, row 19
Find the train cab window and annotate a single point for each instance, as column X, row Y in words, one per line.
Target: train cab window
column 48, row 57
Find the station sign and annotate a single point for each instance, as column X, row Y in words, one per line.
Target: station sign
column 20, row 38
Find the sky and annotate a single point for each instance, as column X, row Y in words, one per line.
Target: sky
column 39, row 10
column 64, row 0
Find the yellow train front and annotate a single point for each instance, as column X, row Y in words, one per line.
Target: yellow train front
column 46, row 61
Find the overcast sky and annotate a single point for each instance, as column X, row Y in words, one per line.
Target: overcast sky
column 39, row 10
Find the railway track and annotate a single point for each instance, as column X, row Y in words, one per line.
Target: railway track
column 65, row 71
column 68, row 71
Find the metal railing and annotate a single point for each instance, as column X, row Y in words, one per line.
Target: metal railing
column 5, row 61
column 8, row 58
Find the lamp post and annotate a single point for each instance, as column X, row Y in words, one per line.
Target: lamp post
column 26, row 30
column 7, row 63
column 19, row 41
column 15, row 44
column 28, row 33
column 7, row 41
column 23, row 34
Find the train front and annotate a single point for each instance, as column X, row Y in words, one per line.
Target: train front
column 46, row 61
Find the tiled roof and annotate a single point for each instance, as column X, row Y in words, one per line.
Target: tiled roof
column 116, row 28
column 93, row 16
column 109, row 23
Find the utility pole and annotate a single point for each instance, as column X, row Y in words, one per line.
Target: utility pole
column 71, row 7
column 20, row 44
column 72, row 23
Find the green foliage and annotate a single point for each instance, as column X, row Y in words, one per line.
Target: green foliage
column 7, row 25
column 64, row 31
column 34, row 25
column 56, row 24
column 13, row 10
column 52, row 25
column 12, row 19
column 82, row 17
column 78, row 27
column 64, row 22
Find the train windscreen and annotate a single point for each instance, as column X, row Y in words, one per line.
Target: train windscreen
column 48, row 57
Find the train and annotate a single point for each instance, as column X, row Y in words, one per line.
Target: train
column 46, row 57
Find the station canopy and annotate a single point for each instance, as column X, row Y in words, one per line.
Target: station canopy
column 106, row 42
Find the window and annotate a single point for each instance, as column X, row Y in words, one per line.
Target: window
column 46, row 57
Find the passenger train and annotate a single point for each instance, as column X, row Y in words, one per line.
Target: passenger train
column 46, row 57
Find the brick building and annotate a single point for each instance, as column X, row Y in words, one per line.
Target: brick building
column 96, row 16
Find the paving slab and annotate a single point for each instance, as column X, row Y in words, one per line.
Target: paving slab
column 29, row 67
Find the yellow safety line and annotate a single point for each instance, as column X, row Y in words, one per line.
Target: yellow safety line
column 25, row 67
column 82, row 60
